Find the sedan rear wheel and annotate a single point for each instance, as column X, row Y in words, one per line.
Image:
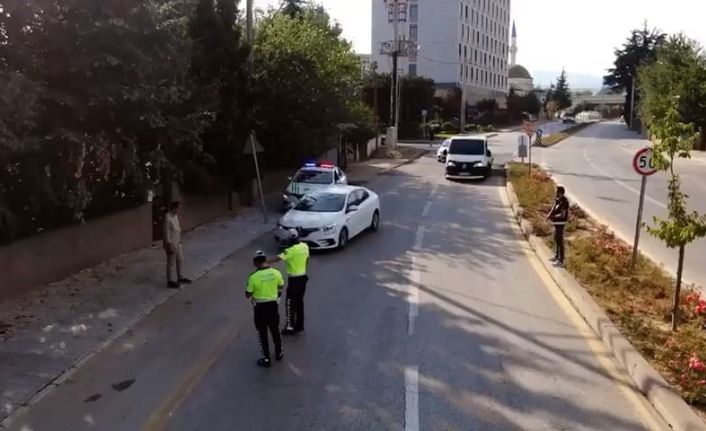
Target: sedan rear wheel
column 343, row 238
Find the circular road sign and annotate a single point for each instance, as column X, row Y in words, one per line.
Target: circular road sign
column 642, row 162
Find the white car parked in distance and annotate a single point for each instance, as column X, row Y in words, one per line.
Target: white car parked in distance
column 330, row 218
column 443, row 150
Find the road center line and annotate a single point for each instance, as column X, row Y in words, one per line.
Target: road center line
column 411, row 399
column 427, row 208
column 419, row 237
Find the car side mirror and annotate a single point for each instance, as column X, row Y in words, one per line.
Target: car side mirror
column 488, row 153
column 352, row 209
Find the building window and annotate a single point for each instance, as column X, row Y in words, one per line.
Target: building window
column 466, row 12
column 412, row 70
column 413, row 12
column 413, row 32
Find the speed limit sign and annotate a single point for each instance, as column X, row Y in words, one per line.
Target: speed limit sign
column 643, row 164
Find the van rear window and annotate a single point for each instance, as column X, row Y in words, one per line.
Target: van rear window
column 468, row 147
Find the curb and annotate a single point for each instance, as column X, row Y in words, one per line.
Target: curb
column 393, row 167
column 666, row 401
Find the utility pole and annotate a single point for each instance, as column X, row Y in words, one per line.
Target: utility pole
column 251, row 145
column 462, row 120
column 632, row 105
column 395, row 60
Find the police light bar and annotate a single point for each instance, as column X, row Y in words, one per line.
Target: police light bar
column 312, row 164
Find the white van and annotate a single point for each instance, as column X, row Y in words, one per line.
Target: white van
column 469, row 157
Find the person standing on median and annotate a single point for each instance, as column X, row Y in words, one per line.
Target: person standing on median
column 559, row 216
column 297, row 258
column 172, row 246
column 264, row 290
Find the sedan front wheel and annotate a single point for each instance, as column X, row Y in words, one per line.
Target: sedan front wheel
column 343, row 238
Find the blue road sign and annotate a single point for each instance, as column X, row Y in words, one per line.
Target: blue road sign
column 539, row 133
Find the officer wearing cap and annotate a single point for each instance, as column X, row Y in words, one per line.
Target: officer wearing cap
column 297, row 258
column 264, row 290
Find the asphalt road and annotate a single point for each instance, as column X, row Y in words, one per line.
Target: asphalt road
column 440, row 321
column 596, row 168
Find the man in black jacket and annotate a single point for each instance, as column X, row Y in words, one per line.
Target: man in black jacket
column 559, row 216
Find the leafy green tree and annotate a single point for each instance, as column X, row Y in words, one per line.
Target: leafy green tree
column 562, row 93
column 532, row 104
column 638, row 50
column 674, row 139
column 109, row 105
column 219, row 66
column 305, row 79
column 680, row 70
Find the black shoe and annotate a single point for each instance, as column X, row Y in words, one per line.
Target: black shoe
column 264, row 363
column 184, row 280
column 173, row 285
column 559, row 264
column 279, row 356
column 288, row 331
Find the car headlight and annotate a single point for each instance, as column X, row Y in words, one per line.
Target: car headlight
column 285, row 197
column 481, row 164
column 328, row 228
column 451, row 164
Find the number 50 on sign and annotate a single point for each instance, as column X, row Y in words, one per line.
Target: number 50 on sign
column 643, row 163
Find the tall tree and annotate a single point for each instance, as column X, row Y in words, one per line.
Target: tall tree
column 562, row 93
column 680, row 71
column 110, row 94
column 638, row 50
column 307, row 81
column 219, row 66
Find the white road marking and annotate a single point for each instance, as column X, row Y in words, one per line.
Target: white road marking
column 411, row 399
column 427, row 208
column 419, row 238
column 621, row 183
column 414, row 279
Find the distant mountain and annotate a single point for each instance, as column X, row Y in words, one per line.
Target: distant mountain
column 576, row 80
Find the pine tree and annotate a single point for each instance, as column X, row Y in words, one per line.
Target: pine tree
column 293, row 8
column 562, row 94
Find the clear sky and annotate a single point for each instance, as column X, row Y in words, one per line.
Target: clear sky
column 579, row 35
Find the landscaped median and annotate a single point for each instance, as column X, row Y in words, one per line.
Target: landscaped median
column 555, row 138
column 628, row 309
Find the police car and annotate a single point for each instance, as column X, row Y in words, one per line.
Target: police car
column 312, row 177
column 443, row 150
column 330, row 218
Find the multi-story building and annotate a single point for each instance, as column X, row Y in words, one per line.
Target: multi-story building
column 460, row 43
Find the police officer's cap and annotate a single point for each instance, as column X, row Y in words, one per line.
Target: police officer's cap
column 259, row 254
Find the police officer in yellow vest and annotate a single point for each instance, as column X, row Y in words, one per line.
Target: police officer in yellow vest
column 264, row 290
column 297, row 258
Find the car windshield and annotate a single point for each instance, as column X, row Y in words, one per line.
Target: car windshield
column 469, row 147
column 313, row 176
column 322, row 202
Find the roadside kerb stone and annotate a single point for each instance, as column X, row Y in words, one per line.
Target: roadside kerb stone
column 666, row 401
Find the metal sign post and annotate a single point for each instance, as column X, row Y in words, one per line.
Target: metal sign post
column 253, row 147
column 521, row 148
column 528, row 128
column 644, row 166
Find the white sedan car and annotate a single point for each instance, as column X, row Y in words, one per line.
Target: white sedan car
column 330, row 218
column 443, row 151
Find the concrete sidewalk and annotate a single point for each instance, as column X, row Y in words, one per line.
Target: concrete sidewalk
column 51, row 331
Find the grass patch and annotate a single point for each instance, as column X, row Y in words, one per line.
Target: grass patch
column 555, row 138
column 637, row 301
